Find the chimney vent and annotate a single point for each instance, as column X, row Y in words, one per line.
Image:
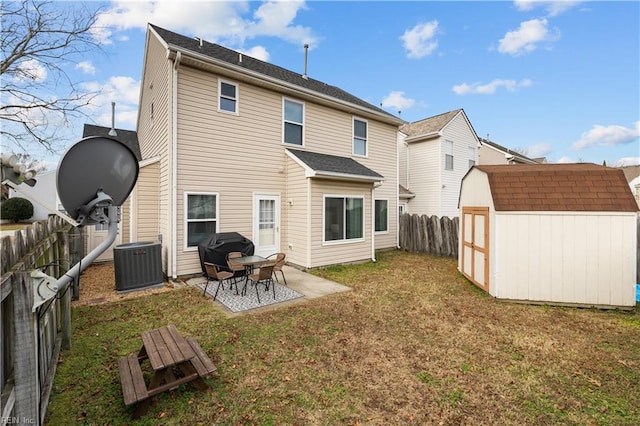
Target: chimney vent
column 113, row 132
column 306, row 50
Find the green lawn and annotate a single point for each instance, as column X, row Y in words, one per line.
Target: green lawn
column 413, row 343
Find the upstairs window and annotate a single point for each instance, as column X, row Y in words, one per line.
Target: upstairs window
column 293, row 114
column 448, row 155
column 359, row 137
column 228, row 97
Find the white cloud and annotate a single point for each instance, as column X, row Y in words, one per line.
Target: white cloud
column 565, row 160
column 553, row 8
column 538, row 150
column 527, row 37
column 419, row 41
column 490, row 88
column 214, row 21
column 398, row 101
column 607, row 136
column 258, row 52
column 31, row 70
column 626, row 161
column 124, row 91
column 86, row 67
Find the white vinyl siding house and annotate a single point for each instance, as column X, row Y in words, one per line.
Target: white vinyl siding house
column 434, row 155
column 243, row 158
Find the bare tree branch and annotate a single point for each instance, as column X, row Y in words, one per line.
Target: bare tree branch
column 40, row 40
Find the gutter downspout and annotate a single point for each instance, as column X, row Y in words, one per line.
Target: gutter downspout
column 174, row 167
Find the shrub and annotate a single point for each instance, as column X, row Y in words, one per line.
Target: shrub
column 16, row 209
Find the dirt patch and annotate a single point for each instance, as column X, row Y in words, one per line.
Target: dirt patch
column 98, row 286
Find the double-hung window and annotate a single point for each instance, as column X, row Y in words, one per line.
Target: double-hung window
column 293, row 126
column 227, row 96
column 201, row 215
column 448, row 155
column 472, row 157
column 359, row 137
column 381, row 216
column 343, row 218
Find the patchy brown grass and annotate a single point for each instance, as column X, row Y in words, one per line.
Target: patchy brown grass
column 413, row 343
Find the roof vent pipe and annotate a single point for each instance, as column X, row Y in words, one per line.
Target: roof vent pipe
column 199, row 41
column 113, row 132
column 240, row 57
column 306, row 50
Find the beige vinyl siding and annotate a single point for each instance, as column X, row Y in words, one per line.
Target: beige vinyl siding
column 155, row 135
column 232, row 155
column 488, row 155
column 147, row 199
column 295, row 216
column 403, row 150
column 458, row 131
column 330, row 253
column 125, row 225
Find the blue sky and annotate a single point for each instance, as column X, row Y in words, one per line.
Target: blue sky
column 553, row 79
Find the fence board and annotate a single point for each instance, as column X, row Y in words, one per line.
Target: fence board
column 429, row 234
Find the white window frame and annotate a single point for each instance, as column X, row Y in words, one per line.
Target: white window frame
column 447, row 148
column 185, row 214
column 284, row 121
column 386, row 230
column 366, row 137
column 236, row 99
column 344, row 240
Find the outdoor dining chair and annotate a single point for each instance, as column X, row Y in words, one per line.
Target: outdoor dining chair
column 277, row 267
column 214, row 273
column 262, row 276
column 238, row 270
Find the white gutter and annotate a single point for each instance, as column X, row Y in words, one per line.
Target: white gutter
column 373, row 223
column 424, row 136
column 174, row 171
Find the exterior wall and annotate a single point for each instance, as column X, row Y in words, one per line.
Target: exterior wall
column 463, row 138
column 155, row 136
column 237, row 155
column 424, row 177
column 635, row 189
column 575, row 258
column 296, row 213
column 487, row 155
column 330, row 253
column 403, row 161
column 146, row 209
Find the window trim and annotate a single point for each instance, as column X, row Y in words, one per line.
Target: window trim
column 236, row 99
column 446, row 144
column 324, row 218
column 186, row 220
column 284, row 121
column 353, row 137
column 375, row 213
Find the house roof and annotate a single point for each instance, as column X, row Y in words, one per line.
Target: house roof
column 333, row 166
column 517, row 157
column 429, row 125
column 126, row 137
column 404, row 192
column 558, row 187
column 240, row 62
column 631, row 172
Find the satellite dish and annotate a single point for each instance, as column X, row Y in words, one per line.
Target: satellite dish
column 94, row 172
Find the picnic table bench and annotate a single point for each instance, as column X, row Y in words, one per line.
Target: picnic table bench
column 174, row 360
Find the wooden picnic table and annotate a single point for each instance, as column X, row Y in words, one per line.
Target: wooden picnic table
column 174, row 360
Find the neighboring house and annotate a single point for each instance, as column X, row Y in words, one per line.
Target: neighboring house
column 43, row 193
column 232, row 143
column 492, row 153
column 632, row 174
column 434, row 154
column 97, row 233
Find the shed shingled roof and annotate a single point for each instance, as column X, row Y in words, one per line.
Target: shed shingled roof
column 559, row 187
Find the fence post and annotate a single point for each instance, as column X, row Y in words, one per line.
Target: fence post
column 27, row 406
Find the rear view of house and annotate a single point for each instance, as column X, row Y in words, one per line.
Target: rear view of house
column 232, row 143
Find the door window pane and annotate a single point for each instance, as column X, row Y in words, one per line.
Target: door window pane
column 266, row 222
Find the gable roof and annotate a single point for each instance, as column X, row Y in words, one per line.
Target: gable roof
column 243, row 63
column 517, row 157
column 558, row 187
column 333, row 166
column 432, row 126
column 125, row 137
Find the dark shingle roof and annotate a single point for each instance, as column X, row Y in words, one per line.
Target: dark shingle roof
column 333, row 165
column 126, row 137
column 252, row 64
column 559, row 187
column 429, row 125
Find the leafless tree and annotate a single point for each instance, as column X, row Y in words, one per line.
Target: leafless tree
column 40, row 41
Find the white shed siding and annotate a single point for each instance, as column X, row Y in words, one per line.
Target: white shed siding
column 576, row 258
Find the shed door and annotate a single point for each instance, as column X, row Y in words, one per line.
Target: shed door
column 475, row 245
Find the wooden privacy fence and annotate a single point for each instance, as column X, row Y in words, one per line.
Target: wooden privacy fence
column 31, row 341
column 429, row 234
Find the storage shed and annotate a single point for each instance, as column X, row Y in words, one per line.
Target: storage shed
column 549, row 233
